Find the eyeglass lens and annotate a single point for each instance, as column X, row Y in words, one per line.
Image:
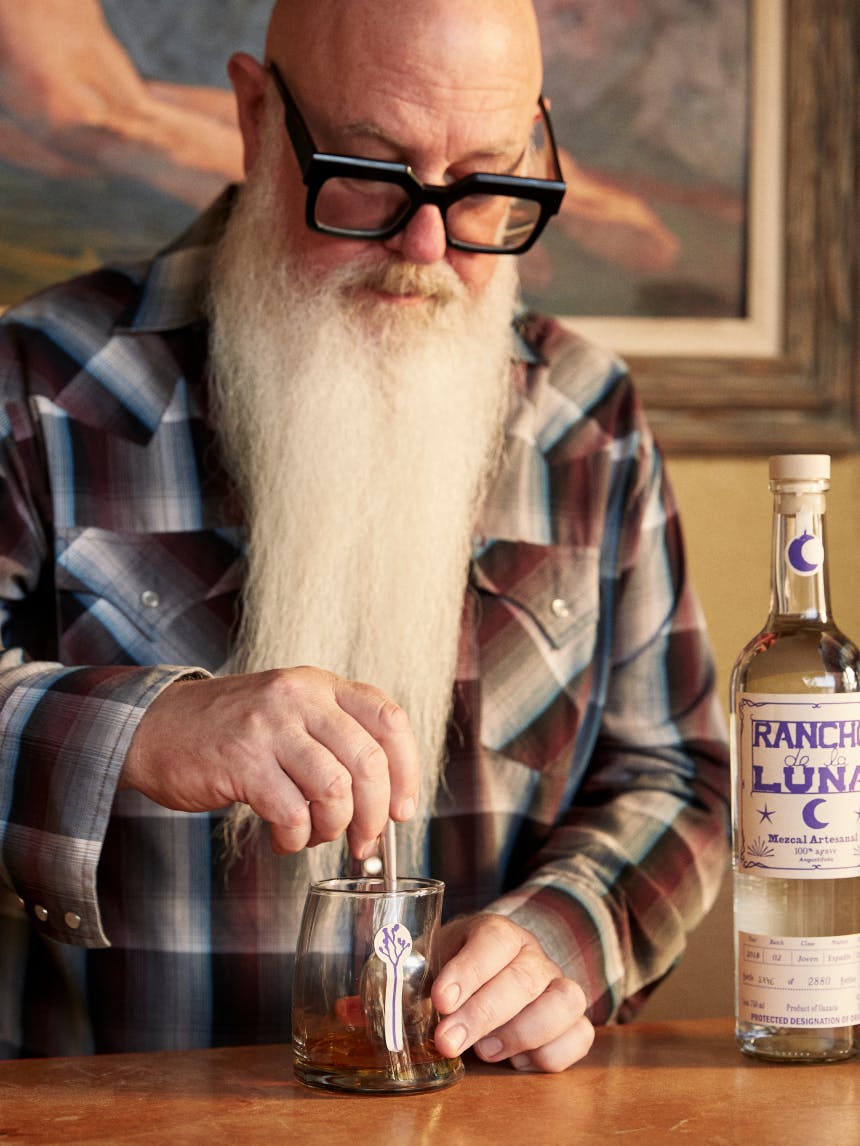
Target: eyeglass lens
column 505, row 221
column 370, row 205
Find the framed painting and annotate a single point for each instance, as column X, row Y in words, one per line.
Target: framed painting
column 710, row 233
column 756, row 349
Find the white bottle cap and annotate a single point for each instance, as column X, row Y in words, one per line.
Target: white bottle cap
column 799, row 467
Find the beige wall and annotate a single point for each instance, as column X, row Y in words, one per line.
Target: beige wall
column 726, row 509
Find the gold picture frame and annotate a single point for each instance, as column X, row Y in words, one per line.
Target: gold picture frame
column 787, row 377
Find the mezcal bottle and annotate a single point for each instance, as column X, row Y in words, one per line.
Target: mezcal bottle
column 795, row 716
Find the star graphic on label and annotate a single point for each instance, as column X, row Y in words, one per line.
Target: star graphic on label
column 766, row 813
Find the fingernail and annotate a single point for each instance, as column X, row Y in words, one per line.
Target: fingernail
column 456, row 1038
column 365, row 851
column 407, row 808
column 489, row 1048
column 521, row 1062
column 449, row 998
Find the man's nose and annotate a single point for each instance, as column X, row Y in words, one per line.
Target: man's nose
column 423, row 239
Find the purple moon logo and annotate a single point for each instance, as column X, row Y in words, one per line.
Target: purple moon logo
column 805, row 554
column 809, row 817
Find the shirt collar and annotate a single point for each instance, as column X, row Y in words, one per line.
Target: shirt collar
column 173, row 292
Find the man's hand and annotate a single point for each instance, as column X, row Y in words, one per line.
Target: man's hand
column 312, row 754
column 500, row 993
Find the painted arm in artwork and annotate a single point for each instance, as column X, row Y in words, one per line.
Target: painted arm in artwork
column 72, row 102
column 613, row 222
column 608, row 221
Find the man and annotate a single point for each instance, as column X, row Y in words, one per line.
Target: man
column 314, row 405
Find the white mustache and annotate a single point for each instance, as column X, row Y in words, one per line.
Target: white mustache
column 438, row 284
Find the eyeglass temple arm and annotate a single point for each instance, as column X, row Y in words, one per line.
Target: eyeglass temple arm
column 544, row 108
column 299, row 131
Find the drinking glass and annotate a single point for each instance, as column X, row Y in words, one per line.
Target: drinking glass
column 366, row 960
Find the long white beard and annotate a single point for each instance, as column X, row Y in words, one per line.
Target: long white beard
column 360, row 437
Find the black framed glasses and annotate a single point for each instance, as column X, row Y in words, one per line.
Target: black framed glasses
column 356, row 198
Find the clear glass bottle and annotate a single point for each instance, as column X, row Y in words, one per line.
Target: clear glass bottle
column 795, row 717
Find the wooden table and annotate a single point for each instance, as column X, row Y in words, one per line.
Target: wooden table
column 642, row 1083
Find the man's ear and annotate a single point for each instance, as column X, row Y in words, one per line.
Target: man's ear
column 248, row 78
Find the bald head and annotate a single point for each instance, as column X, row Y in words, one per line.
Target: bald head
column 482, row 47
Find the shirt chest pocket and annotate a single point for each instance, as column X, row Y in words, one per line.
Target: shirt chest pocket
column 536, row 641
column 146, row 598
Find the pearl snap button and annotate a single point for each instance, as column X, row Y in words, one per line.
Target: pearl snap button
column 150, row 599
column 41, row 912
column 72, row 920
column 560, row 607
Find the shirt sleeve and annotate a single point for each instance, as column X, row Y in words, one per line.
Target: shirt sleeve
column 65, row 735
column 64, row 731
column 637, row 859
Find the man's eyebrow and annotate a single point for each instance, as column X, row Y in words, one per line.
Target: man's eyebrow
column 367, row 129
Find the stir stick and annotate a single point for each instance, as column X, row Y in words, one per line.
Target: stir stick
column 388, row 851
column 400, row 1063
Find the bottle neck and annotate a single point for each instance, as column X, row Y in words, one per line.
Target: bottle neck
column 799, row 580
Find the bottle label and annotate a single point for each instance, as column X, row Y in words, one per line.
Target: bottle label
column 788, row 981
column 798, row 787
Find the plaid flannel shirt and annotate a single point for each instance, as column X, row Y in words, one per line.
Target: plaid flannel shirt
column 587, row 778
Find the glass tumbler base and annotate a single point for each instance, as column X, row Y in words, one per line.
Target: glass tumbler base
column 374, row 1080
